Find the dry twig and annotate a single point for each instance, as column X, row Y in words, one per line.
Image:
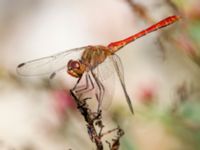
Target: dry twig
column 94, row 122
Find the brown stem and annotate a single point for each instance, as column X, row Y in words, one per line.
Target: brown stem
column 94, row 121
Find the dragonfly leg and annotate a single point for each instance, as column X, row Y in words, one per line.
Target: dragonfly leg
column 73, row 90
column 90, row 81
column 79, row 87
column 86, row 87
column 99, row 96
column 76, row 85
column 89, row 86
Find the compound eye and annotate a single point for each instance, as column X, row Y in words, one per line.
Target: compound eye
column 74, row 64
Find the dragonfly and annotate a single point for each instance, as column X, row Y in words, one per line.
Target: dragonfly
column 88, row 59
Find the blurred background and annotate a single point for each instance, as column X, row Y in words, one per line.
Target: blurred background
column 162, row 73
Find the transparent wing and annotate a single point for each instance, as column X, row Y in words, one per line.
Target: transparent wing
column 120, row 72
column 105, row 73
column 50, row 64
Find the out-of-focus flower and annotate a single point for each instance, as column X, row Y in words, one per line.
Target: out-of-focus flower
column 63, row 101
column 146, row 92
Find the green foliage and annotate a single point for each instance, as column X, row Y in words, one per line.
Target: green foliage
column 194, row 31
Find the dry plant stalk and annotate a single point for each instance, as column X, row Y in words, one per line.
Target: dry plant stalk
column 95, row 125
column 140, row 10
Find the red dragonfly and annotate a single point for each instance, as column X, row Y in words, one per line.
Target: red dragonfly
column 89, row 59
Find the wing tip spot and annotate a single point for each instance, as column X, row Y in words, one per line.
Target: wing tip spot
column 52, row 75
column 21, row 65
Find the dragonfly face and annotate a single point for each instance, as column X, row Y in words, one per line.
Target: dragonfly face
column 75, row 68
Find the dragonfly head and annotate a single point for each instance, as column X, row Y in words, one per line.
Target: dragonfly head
column 75, row 68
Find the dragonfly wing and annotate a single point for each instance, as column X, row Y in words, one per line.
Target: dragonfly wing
column 50, row 64
column 120, row 72
column 105, row 72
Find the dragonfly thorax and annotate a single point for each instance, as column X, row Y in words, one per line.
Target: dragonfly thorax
column 95, row 55
column 75, row 68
